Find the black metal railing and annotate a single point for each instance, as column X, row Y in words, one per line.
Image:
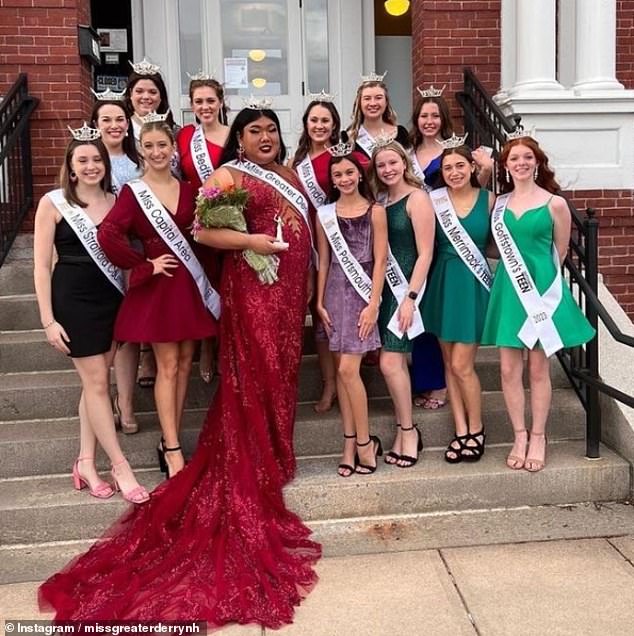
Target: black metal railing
column 16, row 179
column 487, row 125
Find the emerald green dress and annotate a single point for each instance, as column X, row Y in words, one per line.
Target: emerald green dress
column 400, row 236
column 533, row 235
column 455, row 302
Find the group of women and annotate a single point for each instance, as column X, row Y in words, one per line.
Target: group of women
column 215, row 541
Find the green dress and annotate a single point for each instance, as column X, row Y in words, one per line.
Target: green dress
column 400, row 236
column 455, row 303
column 533, row 235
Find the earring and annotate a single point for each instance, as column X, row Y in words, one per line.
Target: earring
column 506, row 172
column 336, row 187
column 240, row 152
column 73, row 175
column 360, row 179
column 536, row 173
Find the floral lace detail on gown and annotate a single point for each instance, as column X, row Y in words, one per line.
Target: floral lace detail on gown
column 216, row 542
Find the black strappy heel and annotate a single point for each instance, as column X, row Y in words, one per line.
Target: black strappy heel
column 347, row 466
column 411, row 461
column 378, row 451
column 474, row 453
column 169, row 450
column 457, row 452
column 392, row 455
column 160, row 452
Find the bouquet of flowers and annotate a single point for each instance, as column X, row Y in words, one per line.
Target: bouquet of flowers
column 217, row 208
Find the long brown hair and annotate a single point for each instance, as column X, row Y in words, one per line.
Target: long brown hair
column 69, row 187
column 545, row 175
column 389, row 115
column 129, row 144
column 365, row 190
column 446, row 124
column 408, row 176
column 463, row 151
column 303, row 145
column 218, row 88
column 157, row 80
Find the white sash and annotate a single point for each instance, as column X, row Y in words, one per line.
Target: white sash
column 399, row 286
column 418, row 170
column 167, row 229
column 306, row 174
column 459, row 238
column 114, row 182
column 351, row 267
column 365, row 141
column 200, row 154
column 86, row 232
column 539, row 309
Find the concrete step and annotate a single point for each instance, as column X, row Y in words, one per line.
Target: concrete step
column 55, row 393
column 16, row 278
column 46, row 508
column 37, row 447
column 389, row 533
column 19, row 312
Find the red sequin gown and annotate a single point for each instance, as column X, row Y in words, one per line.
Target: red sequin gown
column 216, row 541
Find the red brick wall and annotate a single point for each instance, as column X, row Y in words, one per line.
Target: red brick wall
column 625, row 42
column 39, row 37
column 448, row 35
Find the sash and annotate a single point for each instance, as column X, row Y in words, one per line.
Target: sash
column 115, row 185
column 351, row 267
column 86, row 232
column 167, row 229
column 365, row 141
column 539, row 309
column 459, row 238
column 306, row 174
column 399, row 286
column 200, row 154
column 418, row 171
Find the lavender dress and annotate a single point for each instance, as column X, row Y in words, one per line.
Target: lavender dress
column 341, row 301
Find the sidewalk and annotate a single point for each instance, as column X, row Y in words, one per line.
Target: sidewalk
column 581, row 587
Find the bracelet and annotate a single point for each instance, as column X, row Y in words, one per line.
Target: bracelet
column 46, row 326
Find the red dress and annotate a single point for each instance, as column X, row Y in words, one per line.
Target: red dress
column 216, row 541
column 183, row 140
column 155, row 308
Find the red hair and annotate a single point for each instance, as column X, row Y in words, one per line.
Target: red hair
column 545, row 175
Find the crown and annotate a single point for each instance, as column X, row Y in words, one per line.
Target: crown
column 145, row 68
column 321, row 97
column 342, row 149
column 431, row 91
column 108, row 95
column 520, row 132
column 372, row 77
column 383, row 139
column 154, row 116
column 85, row 133
column 200, row 76
column 252, row 103
column 453, row 142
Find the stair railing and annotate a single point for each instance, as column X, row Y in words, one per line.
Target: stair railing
column 16, row 178
column 487, row 125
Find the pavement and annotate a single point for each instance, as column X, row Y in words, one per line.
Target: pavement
column 576, row 586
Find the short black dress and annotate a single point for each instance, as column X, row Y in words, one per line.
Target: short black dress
column 85, row 302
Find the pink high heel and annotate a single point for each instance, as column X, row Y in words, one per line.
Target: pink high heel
column 103, row 491
column 137, row 495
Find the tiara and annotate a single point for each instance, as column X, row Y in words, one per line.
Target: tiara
column 431, row 91
column 154, row 116
column 253, row 103
column 85, row 133
column 372, row 77
column 383, row 139
column 145, row 68
column 108, row 95
column 453, row 142
column 520, row 132
column 321, row 97
column 200, row 76
column 342, row 149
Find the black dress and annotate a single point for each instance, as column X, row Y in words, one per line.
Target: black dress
column 85, row 302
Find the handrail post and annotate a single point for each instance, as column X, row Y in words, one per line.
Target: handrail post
column 593, row 413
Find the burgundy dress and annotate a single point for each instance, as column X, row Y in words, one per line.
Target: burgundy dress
column 155, row 308
column 216, row 541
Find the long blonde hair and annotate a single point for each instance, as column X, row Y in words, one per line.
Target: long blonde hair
column 408, row 176
column 389, row 115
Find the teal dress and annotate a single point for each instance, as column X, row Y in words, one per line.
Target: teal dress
column 455, row 302
column 533, row 235
column 400, row 236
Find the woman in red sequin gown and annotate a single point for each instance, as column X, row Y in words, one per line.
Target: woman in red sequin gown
column 216, row 542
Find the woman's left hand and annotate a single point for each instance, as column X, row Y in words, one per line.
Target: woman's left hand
column 406, row 314
column 367, row 320
column 482, row 159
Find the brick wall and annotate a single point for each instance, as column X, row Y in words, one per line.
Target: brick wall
column 625, row 42
column 448, row 35
column 39, row 37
